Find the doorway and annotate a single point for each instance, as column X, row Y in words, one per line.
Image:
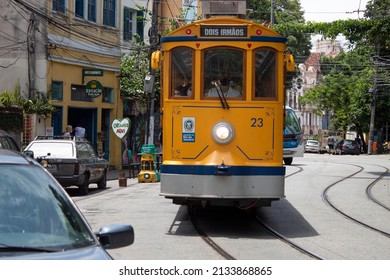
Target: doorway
column 87, row 118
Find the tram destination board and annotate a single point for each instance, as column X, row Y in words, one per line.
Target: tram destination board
column 223, row 31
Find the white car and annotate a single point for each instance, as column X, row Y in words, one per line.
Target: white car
column 73, row 162
column 312, row 146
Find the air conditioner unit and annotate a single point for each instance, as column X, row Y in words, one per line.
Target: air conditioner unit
column 212, row 8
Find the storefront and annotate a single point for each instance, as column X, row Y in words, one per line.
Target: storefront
column 88, row 98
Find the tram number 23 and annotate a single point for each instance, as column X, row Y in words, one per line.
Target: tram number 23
column 257, row 122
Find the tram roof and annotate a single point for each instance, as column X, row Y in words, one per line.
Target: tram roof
column 253, row 29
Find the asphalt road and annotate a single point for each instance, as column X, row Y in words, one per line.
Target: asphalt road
column 163, row 230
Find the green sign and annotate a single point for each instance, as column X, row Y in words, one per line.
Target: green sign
column 92, row 72
column 94, row 89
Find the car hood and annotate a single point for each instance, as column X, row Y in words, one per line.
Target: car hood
column 90, row 253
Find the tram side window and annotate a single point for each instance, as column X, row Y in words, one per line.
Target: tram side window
column 182, row 69
column 265, row 73
column 223, row 70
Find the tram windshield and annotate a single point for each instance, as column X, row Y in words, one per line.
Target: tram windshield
column 223, row 70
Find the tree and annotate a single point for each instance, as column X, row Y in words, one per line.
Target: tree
column 349, row 80
column 343, row 90
column 134, row 67
column 285, row 12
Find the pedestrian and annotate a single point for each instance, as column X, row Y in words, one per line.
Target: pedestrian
column 79, row 132
column 68, row 132
column 331, row 145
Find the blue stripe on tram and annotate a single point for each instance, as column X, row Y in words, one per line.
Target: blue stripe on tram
column 219, row 170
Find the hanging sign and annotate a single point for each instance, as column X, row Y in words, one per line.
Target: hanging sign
column 94, row 88
column 121, row 127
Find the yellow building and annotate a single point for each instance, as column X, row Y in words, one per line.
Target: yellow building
column 83, row 63
column 71, row 49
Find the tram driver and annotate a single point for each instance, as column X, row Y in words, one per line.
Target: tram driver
column 224, row 87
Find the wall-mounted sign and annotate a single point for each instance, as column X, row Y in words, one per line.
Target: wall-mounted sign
column 121, row 127
column 92, row 72
column 49, row 131
column 94, row 89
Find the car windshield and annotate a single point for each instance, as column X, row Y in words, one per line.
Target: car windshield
column 292, row 124
column 311, row 142
column 35, row 213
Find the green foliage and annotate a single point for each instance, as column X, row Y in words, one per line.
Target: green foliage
column 286, row 13
column 343, row 90
column 134, row 67
column 11, row 98
column 346, row 87
column 39, row 105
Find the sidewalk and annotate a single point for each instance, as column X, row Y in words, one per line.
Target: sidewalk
column 112, row 174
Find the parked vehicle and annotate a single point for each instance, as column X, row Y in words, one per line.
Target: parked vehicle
column 7, row 142
column 347, row 146
column 312, row 146
column 73, row 162
column 38, row 219
column 325, row 136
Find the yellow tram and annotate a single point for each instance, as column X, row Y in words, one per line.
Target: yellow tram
column 222, row 105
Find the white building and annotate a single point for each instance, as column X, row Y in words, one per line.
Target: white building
column 308, row 79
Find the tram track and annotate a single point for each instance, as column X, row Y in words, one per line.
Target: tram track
column 327, row 201
column 369, row 190
column 300, row 169
column 228, row 256
column 225, row 254
column 209, row 241
column 282, row 238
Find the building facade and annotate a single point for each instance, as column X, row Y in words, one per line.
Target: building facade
column 308, row 78
column 71, row 51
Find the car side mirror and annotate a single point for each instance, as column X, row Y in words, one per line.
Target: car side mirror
column 116, row 236
column 29, row 154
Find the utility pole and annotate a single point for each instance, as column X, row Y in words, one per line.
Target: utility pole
column 272, row 12
column 31, row 44
column 153, row 42
column 373, row 108
column 373, row 101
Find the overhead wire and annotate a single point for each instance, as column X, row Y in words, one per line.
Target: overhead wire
column 79, row 30
column 13, row 63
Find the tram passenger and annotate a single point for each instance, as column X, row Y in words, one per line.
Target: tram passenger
column 189, row 89
column 179, row 91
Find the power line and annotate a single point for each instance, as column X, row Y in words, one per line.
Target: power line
column 52, row 23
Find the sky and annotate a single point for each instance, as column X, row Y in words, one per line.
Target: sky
column 331, row 10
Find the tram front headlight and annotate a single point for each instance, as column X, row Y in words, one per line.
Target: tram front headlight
column 222, row 133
